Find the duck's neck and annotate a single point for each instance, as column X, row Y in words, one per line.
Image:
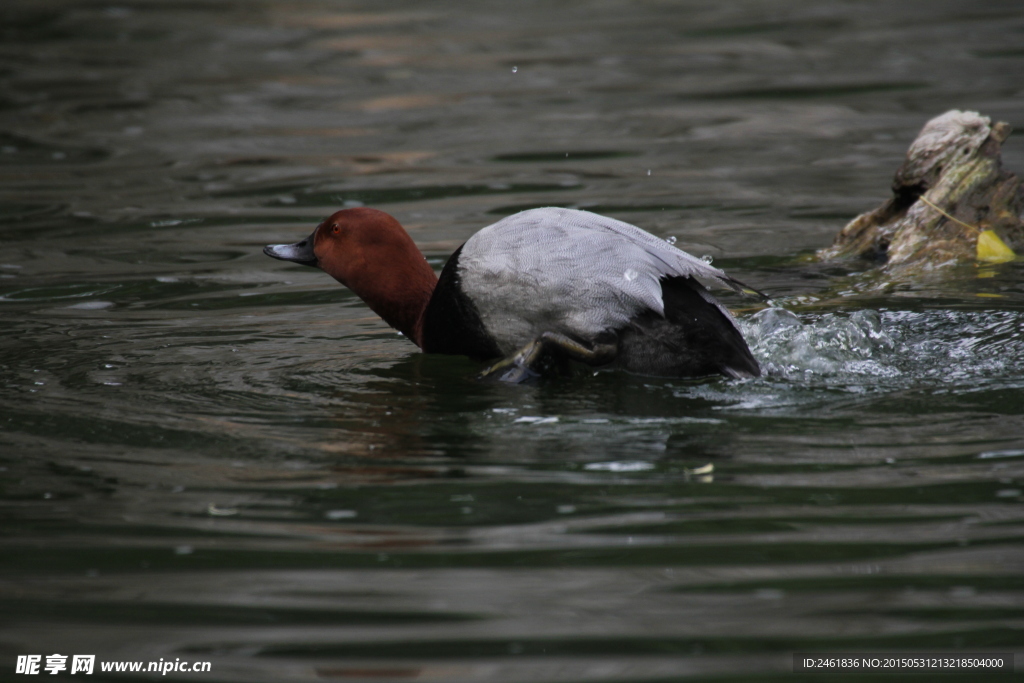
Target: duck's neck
column 401, row 296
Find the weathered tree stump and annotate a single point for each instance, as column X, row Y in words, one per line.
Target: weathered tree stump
column 954, row 165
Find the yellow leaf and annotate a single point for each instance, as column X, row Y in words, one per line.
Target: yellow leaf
column 992, row 249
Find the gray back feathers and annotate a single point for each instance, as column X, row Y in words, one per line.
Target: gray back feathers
column 569, row 271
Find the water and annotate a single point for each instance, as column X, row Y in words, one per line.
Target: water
column 209, row 455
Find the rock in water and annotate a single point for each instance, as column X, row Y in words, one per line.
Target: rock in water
column 950, row 191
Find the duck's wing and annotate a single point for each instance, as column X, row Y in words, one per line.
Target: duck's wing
column 668, row 260
column 575, row 269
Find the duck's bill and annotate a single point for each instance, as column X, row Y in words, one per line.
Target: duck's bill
column 300, row 252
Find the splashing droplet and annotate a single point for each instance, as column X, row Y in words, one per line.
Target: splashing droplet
column 648, row 171
column 707, row 258
column 671, row 239
column 515, row 69
column 630, row 275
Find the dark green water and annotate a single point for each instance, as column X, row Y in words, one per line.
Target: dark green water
column 209, row 455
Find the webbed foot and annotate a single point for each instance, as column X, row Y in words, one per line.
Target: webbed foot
column 527, row 362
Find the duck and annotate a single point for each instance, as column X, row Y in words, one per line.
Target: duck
column 540, row 285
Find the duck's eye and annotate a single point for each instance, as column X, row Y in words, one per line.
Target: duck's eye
column 335, row 229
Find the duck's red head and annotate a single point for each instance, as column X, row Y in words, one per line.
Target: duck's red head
column 369, row 252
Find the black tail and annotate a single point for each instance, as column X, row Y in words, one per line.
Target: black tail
column 695, row 337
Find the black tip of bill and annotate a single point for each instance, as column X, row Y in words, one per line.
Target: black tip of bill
column 300, row 252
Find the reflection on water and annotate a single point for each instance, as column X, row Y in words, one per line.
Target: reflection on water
column 209, row 455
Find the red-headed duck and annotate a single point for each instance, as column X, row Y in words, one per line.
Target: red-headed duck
column 544, row 283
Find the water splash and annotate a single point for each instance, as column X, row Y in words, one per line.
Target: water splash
column 901, row 349
column 961, row 348
column 832, row 344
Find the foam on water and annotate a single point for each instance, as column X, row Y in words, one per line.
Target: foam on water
column 900, row 349
column 789, row 346
column 815, row 362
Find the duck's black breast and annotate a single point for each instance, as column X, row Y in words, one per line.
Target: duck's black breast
column 694, row 338
column 451, row 323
